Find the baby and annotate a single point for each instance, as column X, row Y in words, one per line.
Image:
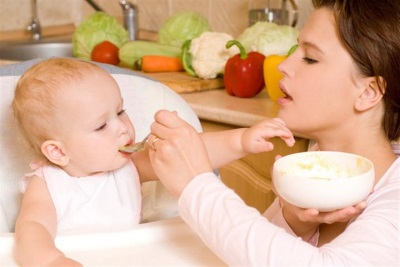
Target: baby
column 72, row 115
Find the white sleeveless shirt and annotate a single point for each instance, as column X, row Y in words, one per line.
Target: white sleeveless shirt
column 101, row 202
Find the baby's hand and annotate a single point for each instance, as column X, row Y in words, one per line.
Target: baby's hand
column 255, row 139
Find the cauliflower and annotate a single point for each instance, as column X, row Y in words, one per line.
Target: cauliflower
column 209, row 54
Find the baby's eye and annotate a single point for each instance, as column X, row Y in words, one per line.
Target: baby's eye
column 121, row 112
column 309, row 60
column 101, row 127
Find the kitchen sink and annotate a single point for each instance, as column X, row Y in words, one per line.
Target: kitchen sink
column 26, row 50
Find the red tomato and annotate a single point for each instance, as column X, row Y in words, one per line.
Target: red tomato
column 105, row 52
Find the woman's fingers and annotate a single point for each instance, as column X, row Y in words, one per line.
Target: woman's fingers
column 342, row 215
column 166, row 123
column 167, row 118
column 178, row 152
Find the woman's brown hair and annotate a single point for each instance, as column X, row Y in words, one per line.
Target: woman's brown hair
column 370, row 31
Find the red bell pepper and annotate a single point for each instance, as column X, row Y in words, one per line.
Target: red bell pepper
column 243, row 75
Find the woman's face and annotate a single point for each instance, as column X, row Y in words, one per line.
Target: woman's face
column 320, row 81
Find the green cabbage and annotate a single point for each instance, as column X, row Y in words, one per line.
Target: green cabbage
column 182, row 26
column 268, row 38
column 132, row 51
column 95, row 29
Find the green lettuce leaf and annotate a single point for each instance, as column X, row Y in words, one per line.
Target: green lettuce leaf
column 182, row 26
column 95, row 29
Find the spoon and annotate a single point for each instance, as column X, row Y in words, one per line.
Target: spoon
column 134, row 147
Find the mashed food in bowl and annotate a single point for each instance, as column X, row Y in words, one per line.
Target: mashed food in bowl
column 318, row 166
column 325, row 180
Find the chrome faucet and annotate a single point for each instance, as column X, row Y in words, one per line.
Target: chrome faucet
column 34, row 27
column 130, row 16
column 130, row 19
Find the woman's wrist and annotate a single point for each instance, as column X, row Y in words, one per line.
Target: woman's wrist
column 305, row 230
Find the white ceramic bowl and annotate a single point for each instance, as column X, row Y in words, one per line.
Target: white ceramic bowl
column 324, row 180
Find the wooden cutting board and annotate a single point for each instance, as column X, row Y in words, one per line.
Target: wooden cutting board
column 181, row 82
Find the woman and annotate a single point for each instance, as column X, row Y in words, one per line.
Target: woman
column 342, row 90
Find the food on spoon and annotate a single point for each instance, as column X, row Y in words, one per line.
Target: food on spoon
column 131, row 148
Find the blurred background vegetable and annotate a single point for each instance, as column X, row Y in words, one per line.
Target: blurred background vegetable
column 132, row 51
column 244, row 75
column 105, row 52
column 173, row 33
column 181, row 27
column 95, row 29
column 206, row 55
column 153, row 63
column 187, row 57
column 272, row 76
column 268, row 38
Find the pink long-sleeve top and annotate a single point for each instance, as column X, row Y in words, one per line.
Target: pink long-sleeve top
column 240, row 236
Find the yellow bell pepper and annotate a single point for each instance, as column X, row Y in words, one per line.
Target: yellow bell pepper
column 272, row 76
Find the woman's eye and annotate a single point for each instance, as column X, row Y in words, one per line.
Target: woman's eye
column 309, row 60
column 121, row 112
column 101, row 127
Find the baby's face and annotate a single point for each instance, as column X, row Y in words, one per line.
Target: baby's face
column 94, row 125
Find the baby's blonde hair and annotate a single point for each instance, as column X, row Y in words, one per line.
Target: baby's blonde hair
column 35, row 97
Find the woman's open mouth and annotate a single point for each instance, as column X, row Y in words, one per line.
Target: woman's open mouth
column 286, row 95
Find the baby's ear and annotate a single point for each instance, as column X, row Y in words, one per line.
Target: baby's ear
column 370, row 94
column 54, row 152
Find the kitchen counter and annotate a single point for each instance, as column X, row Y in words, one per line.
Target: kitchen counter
column 218, row 106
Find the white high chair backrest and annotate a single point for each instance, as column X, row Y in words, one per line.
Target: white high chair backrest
column 142, row 98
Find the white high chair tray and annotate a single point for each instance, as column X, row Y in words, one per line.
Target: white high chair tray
column 163, row 243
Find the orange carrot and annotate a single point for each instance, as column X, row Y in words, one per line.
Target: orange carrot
column 154, row 63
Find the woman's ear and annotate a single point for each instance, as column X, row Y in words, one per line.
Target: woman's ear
column 371, row 93
column 54, row 152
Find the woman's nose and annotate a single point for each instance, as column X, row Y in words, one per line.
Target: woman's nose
column 291, row 62
column 284, row 66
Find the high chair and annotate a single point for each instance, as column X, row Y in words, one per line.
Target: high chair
column 142, row 98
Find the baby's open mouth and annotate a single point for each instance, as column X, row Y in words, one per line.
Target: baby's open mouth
column 123, row 147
